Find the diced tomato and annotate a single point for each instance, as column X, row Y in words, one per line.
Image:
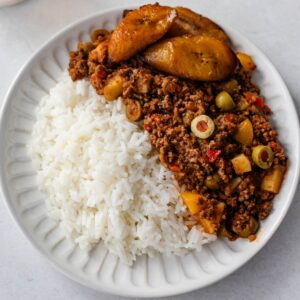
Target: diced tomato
column 259, row 102
column 253, row 98
column 147, row 127
column 250, row 97
column 101, row 74
column 174, row 168
column 212, row 154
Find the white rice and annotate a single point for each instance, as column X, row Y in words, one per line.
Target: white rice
column 102, row 180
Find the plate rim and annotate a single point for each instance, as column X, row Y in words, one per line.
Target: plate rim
column 193, row 285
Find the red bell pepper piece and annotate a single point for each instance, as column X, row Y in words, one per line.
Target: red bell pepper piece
column 174, row 168
column 212, row 154
column 253, row 98
column 259, row 102
column 101, row 74
column 146, row 127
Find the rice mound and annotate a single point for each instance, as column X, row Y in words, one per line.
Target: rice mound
column 102, row 179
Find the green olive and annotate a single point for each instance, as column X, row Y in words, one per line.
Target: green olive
column 99, row 34
column 212, row 182
column 251, row 228
column 224, row 232
column 235, row 182
column 133, row 110
column 224, row 101
column 232, row 185
column 202, row 126
column 253, row 225
column 263, row 156
column 86, row 47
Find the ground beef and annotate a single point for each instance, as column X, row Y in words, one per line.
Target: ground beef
column 264, row 209
column 169, row 104
column 78, row 68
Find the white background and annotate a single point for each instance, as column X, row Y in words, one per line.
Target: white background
column 274, row 26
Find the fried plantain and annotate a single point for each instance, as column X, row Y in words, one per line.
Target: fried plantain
column 139, row 29
column 189, row 22
column 193, row 57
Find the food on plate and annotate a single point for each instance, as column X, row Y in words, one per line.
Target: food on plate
column 271, row 182
column 202, row 126
column 113, row 88
column 212, row 182
column 192, row 201
column 102, row 178
column 246, row 61
column 193, row 57
column 230, row 86
column 241, row 164
column 160, row 149
column 250, row 229
column 133, row 110
column 224, row 101
column 138, row 29
column 213, row 133
column 232, row 185
column 244, row 133
column 263, row 156
column 99, row 35
column 212, row 224
column 191, row 23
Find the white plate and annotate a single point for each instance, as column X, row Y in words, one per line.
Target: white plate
column 158, row 276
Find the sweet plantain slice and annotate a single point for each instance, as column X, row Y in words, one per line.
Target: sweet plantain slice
column 193, row 57
column 189, row 22
column 139, row 29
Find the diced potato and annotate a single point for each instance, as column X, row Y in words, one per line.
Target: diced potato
column 207, row 225
column 244, row 134
column 113, row 88
column 246, row 61
column 241, row 164
column 189, row 22
column 193, row 57
column 191, row 200
column 273, row 179
column 139, row 29
column 211, row 226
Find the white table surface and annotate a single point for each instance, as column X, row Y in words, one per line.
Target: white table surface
column 272, row 25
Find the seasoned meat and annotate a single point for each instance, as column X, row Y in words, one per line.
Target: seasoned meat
column 168, row 105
